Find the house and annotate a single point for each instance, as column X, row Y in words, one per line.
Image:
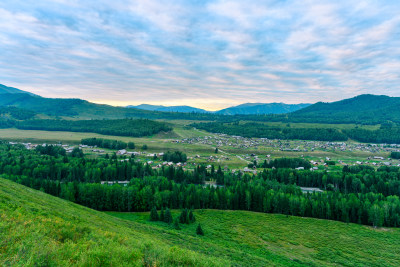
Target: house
column 121, row 152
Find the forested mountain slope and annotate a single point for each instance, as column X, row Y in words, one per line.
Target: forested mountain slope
column 262, row 108
column 369, row 109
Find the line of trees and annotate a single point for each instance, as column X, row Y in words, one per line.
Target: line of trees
column 107, row 143
column 122, row 127
column 252, row 129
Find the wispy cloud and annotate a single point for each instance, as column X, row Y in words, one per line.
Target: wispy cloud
column 210, row 54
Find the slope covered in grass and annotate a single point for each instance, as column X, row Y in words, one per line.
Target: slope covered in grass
column 257, row 239
column 38, row 229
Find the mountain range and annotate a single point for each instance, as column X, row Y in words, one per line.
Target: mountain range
column 169, row 108
column 243, row 109
column 363, row 109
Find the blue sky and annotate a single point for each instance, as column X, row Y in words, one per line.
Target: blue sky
column 208, row 54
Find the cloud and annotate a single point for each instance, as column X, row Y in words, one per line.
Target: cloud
column 207, row 53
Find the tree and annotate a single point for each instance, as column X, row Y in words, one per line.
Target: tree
column 376, row 215
column 167, row 216
column 192, row 219
column 216, row 150
column 131, row 145
column 184, row 217
column 199, row 230
column 144, row 147
column 154, row 215
column 162, row 215
column 176, row 224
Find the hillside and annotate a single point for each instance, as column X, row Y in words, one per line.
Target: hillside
column 261, row 108
column 45, row 230
column 359, row 109
column 11, row 90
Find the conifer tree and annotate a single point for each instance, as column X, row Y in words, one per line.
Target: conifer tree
column 176, row 224
column 162, row 216
column 168, row 217
column 199, row 230
column 192, row 219
column 154, row 215
column 184, row 217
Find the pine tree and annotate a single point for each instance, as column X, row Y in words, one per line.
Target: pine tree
column 192, row 219
column 184, row 217
column 199, row 230
column 176, row 224
column 162, row 216
column 167, row 216
column 154, row 215
column 216, row 150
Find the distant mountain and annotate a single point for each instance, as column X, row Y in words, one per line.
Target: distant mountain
column 365, row 108
column 147, row 107
column 11, row 90
column 262, row 108
column 186, row 109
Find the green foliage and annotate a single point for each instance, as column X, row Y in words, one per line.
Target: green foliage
column 395, row 155
column 287, row 163
column 131, row 145
column 257, row 239
column 154, row 215
column 16, row 113
column 251, row 129
column 176, row 224
column 77, row 153
column 192, row 219
column 349, row 195
column 175, row 157
column 105, row 143
column 144, row 147
column 51, row 150
column 168, row 217
column 40, row 230
column 122, row 127
column 199, row 230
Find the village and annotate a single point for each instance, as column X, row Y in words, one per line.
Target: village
column 235, row 153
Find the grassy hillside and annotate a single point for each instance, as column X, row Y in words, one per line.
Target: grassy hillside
column 256, row 239
column 38, row 229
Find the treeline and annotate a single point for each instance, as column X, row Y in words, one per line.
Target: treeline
column 264, row 131
column 16, row 113
column 175, row 157
column 362, row 195
column 386, row 135
column 259, row 130
column 123, row 127
column 286, row 163
column 107, row 143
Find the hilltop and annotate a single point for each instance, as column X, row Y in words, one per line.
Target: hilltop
column 45, row 230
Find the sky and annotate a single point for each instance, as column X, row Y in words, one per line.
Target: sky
column 207, row 54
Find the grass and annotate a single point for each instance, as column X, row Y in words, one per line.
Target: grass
column 256, row 239
column 37, row 229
